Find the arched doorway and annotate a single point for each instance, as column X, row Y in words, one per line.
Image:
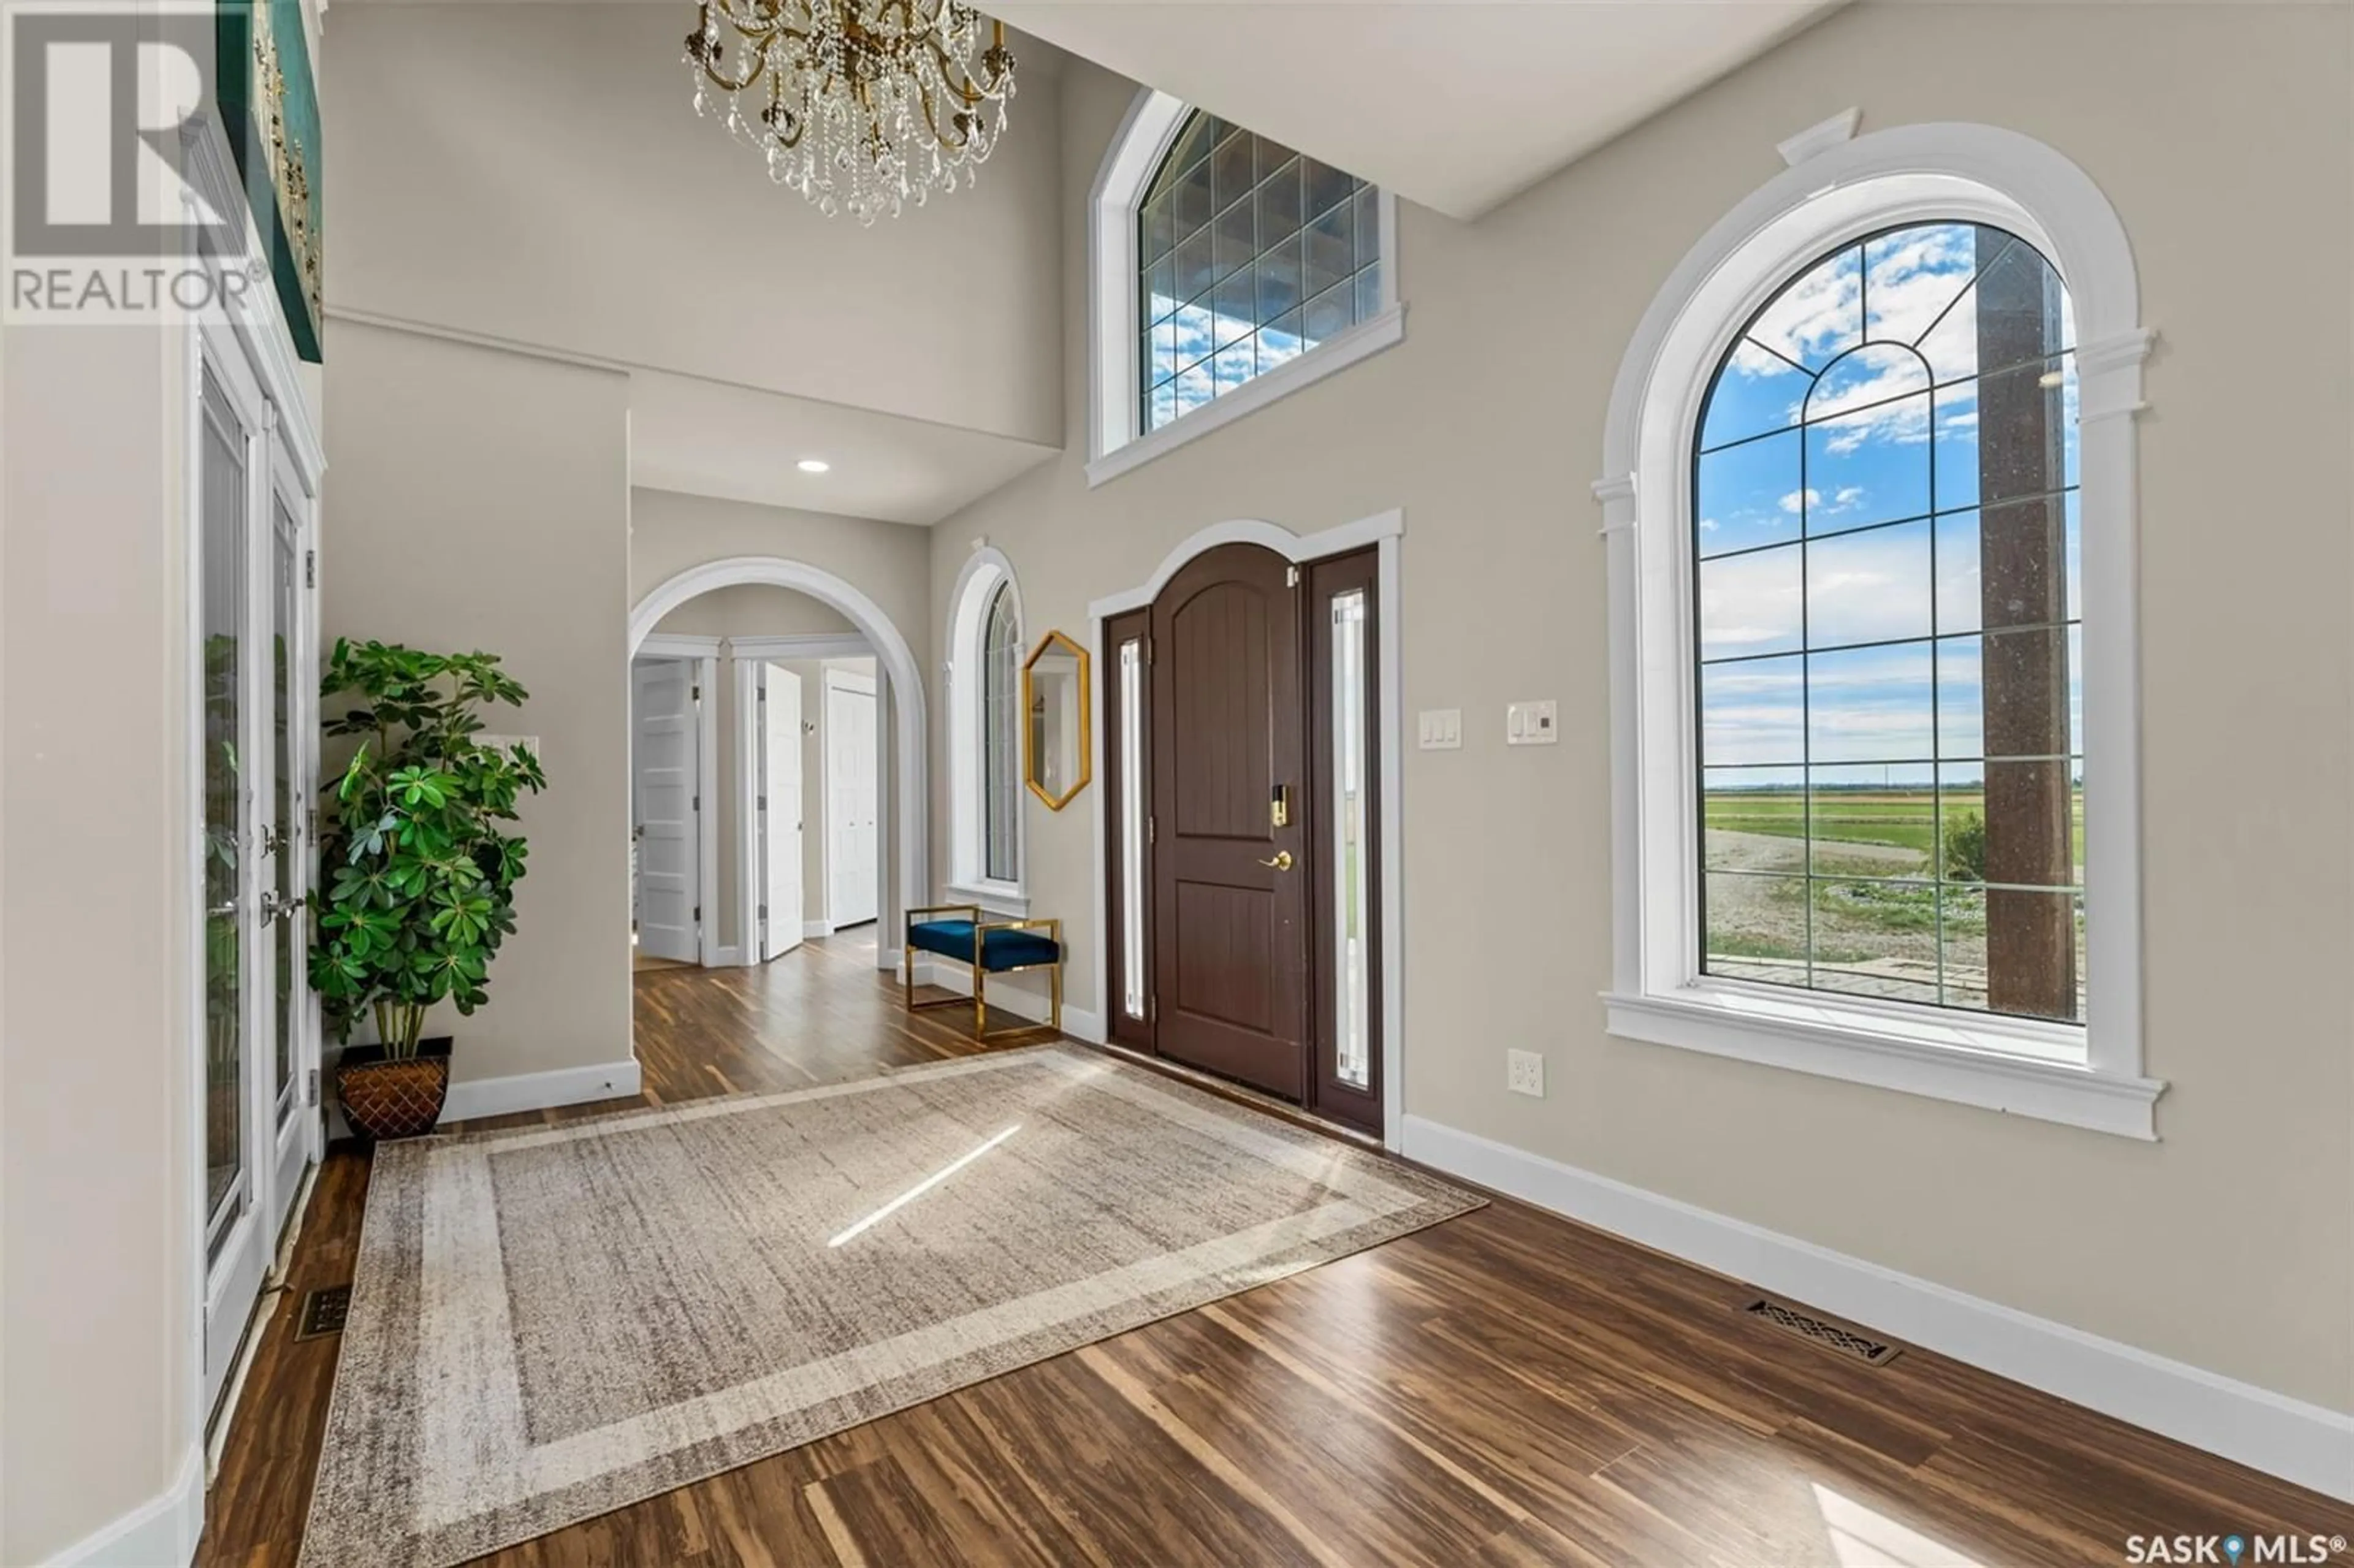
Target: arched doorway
column 912, row 795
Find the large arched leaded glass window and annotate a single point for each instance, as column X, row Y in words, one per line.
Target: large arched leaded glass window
column 1248, row 255
column 1889, row 720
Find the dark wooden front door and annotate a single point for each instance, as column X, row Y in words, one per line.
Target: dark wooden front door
column 1230, row 885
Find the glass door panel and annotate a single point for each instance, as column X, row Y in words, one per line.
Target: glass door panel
column 285, row 871
column 1344, row 798
column 1352, row 1052
column 222, row 527
column 1132, row 827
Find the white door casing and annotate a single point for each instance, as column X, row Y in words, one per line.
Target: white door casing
column 780, row 809
column 664, row 762
column 852, row 843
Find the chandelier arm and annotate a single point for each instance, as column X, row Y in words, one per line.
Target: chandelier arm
column 931, row 123
column 758, row 68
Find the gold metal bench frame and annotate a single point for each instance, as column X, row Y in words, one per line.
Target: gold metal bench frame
column 980, row 929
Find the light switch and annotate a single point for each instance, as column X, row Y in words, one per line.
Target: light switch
column 1442, row 729
column 1531, row 724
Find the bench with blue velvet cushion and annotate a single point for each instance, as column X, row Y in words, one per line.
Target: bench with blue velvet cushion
column 1004, row 947
column 1000, row 948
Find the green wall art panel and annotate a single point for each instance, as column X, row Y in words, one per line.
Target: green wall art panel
column 270, row 109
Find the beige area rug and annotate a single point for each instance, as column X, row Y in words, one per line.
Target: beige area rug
column 551, row 1322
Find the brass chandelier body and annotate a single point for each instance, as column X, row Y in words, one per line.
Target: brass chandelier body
column 863, row 105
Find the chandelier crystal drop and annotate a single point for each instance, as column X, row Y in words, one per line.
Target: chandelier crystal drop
column 860, row 105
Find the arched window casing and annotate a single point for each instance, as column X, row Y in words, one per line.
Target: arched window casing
column 1869, row 500
column 985, row 816
column 1226, row 270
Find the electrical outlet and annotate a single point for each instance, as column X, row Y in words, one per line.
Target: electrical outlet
column 1524, row 1074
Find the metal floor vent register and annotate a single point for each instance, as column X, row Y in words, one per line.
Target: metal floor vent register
column 1850, row 1343
column 323, row 1312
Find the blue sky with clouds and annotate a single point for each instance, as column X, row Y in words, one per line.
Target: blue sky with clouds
column 1847, row 415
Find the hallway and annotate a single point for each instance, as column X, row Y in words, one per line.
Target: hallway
column 1512, row 1388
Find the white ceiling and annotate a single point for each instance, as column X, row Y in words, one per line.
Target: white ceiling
column 1456, row 104
column 707, row 438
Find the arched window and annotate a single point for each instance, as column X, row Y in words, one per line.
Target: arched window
column 1890, row 663
column 984, row 720
column 1001, row 737
column 1870, row 511
column 1229, row 270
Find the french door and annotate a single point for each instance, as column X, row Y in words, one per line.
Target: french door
column 257, row 666
column 1242, row 764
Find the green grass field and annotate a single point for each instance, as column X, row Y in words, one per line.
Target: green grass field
column 1899, row 819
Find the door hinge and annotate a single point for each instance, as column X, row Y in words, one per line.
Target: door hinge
column 1152, row 1008
column 1291, row 576
column 698, row 693
column 698, row 914
column 764, row 912
column 763, row 805
column 1151, row 830
column 310, row 568
column 310, row 1090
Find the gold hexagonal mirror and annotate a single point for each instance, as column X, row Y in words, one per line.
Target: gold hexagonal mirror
column 1056, row 731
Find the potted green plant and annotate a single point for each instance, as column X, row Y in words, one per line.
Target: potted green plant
column 419, row 876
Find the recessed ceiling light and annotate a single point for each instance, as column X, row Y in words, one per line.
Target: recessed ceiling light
column 813, row 465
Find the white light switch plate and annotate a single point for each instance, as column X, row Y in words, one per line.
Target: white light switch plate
column 1442, row 729
column 1524, row 1074
column 1531, row 724
column 529, row 742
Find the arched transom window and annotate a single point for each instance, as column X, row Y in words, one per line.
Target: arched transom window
column 1248, row 255
column 1888, row 631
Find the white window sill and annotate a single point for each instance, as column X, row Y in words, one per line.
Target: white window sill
column 2024, row 1068
column 1361, row 341
column 994, row 897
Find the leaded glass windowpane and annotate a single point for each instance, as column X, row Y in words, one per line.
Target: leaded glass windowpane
column 1253, row 255
column 1890, row 682
column 1001, row 736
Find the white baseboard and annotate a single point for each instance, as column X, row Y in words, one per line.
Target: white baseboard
column 1079, row 1022
column 727, row 958
column 537, row 1091
column 2266, row 1431
column 816, row 929
column 159, row 1533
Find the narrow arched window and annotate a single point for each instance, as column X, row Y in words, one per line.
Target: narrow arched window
column 1248, row 255
column 1888, row 631
column 1001, row 737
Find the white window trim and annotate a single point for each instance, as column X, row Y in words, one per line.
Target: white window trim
column 1115, row 444
column 1837, row 192
column 968, row 881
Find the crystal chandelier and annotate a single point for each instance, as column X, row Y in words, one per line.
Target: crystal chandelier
column 863, row 104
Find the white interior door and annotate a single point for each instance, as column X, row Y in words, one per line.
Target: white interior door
column 780, row 810
column 663, row 760
column 852, row 841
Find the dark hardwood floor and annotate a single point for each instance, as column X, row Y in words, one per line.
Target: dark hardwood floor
column 1506, row 1388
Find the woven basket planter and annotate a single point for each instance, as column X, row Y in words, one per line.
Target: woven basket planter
column 398, row 1098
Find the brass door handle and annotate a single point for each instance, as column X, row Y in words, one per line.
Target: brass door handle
column 1282, row 860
